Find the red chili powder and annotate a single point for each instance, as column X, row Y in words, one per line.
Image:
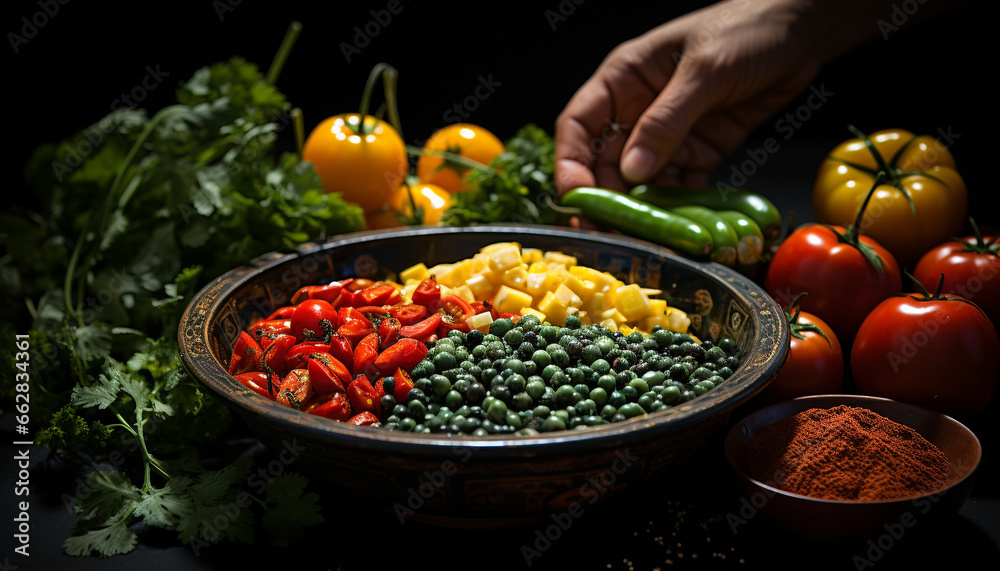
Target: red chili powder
column 846, row 453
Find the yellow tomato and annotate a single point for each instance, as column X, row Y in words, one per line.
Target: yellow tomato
column 430, row 198
column 469, row 141
column 921, row 166
column 365, row 164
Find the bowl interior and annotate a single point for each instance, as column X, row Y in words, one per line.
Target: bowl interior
column 831, row 519
column 720, row 302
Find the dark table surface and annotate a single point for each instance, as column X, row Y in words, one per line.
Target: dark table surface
column 85, row 56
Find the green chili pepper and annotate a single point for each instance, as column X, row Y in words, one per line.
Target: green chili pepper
column 634, row 217
column 724, row 238
column 757, row 207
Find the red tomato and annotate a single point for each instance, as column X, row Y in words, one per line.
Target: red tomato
column 937, row 351
column 313, row 320
column 971, row 269
column 815, row 363
column 842, row 283
column 454, row 313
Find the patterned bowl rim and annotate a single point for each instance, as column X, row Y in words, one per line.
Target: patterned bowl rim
column 761, row 363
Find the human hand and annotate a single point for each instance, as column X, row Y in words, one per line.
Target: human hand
column 667, row 106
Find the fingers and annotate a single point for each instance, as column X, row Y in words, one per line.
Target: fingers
column 660, row 130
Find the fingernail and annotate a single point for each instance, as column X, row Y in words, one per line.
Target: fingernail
column 637, row 164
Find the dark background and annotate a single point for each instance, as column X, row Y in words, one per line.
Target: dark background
column 933, row 78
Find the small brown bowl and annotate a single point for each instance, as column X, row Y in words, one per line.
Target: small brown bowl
column 825, row 520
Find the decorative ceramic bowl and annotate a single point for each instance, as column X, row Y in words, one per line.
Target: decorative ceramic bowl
column 823, row 520
column 496, row 480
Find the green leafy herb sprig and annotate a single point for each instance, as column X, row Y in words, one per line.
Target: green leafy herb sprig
column 518, row 187
column 134, row 214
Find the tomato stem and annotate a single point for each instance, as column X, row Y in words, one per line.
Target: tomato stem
column 388, row 74
column 300, row 130
column 456, row 158
column 892, row 175
column 792, row 312
column 981, row 246
column 283, row 50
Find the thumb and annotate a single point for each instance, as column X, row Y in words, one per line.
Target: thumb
column 663, row 125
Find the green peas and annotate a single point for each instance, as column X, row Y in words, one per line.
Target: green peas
column 607, row 382
column 631, row 410
column 592, row 353
column 601, row 366
column 496, row 350
column 515, row 382
column 567, row 395
column 440, row 384
column 670, row 394
column 599, row 396
column 549, row 371
column 500, row 327
column 541, row 358
column 529, row 323
column 513, row 337
column 549, row 333
column 554, row 423
column 454, row 399
column 560, row 358
column 639, row 385
column 522, row 401
column 535, row 387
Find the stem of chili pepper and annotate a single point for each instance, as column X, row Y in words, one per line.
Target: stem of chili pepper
column 283, row 50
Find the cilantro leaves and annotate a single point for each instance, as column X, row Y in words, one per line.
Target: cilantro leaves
column 518, row 188
column 128, row 219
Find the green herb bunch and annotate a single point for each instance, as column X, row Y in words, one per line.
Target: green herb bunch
column 518, row 187
column 129, row 218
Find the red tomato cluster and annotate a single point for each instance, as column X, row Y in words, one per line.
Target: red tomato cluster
column 933, row 349
column 329, row 352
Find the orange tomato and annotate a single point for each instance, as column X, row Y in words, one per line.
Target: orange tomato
column 464, row 139
column 430, row 198
column 365, row 164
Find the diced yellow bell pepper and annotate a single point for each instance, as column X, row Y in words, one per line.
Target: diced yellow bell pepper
column 480, row 321
column 553, row 308
column 416, row 272
column 516, row 278
column 457, row 274
column 530, row 255
column 510, row 300
column 559, row 258
column 505, row 258
column 481, row 286
column 632, row 302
